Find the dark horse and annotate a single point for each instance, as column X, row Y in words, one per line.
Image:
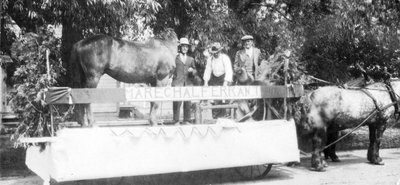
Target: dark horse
column 245, row 107
column 333, row 108
column 131, row 62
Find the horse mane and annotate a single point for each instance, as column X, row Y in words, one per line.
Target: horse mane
column 167, row 35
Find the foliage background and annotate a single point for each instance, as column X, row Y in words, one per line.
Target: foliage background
column 31, row 52
column 320, row 38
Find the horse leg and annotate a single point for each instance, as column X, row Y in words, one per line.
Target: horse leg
column 243, row 108
column 330, row 152
column 317, row 162
column 79, row 111
column 153, row 113
column 83, row 115
column 375, row 136
column 91, row 82
column 155, row 105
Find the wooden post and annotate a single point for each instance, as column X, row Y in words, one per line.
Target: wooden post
column 48, row 64
column 51, row 121
column 285, row 69
column 1, row 74
column 49, row 78
column 1, row 96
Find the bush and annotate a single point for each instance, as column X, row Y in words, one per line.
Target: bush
column 31, row 79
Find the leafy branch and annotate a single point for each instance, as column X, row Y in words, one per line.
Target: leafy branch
column 31, row 79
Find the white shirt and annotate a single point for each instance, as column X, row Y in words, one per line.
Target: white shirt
column 183, row 57
column 218, row 66
column 249, row 51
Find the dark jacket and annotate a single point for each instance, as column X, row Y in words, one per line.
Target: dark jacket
column 242, row 59
column 182, row 77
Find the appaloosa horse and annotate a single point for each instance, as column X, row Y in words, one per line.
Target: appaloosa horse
column 130, row 62
column 333, row 108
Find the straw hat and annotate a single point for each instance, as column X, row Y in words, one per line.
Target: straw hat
column 247, row 37
column 184, row 41
column 216, row 47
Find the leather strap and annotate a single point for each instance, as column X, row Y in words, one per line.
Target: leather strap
column 373, row 99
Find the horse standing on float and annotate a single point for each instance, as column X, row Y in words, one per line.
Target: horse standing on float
column 152, row 63
column 332, row 109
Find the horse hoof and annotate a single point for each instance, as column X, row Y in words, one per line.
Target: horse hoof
column 379, row 163
column 187, row 123
column 336, row 160
column 318, row 169
column 153, row 124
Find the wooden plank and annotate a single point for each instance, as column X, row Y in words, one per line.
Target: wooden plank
column 88, row 95
column 37, row 140
column 98, row 95
column 229, row 106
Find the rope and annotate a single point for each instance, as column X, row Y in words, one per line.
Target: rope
column 320, row 80
column 373, row 113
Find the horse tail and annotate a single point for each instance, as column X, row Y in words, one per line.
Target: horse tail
column 76, row 70
column 77, row 78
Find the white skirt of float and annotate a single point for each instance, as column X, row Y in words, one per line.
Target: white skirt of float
column 105, row 152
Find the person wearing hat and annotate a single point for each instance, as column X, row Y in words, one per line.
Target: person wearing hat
column 249, row 57
column 218, row 72
column 218, row 68
column 183, row 76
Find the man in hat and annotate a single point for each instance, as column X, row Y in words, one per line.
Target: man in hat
column 218, row 72
column 249, row 57
column 183, row 76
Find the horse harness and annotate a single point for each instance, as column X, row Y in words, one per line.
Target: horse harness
column 393, row 97
column 372, row 97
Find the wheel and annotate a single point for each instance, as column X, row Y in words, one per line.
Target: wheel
column 254, row 172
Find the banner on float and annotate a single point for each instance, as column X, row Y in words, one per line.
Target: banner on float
column 65, row 95
column 192, row 93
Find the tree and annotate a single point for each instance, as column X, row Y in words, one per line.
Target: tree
column 349, row 33
column 79, row 18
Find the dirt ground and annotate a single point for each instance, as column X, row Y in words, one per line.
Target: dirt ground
column 353, row 170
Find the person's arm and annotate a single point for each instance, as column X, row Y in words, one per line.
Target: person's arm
column 193, row 66
column 259, row 56
column 236, row 62
column 207, row 72
column 228, row 70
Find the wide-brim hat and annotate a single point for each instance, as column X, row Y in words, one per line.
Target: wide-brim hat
column 247, row 37
column 216, row 47
column 184, row 41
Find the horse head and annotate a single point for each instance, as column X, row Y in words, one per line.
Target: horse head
column 168, row 34
column 242, row 77
column 300, row 114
